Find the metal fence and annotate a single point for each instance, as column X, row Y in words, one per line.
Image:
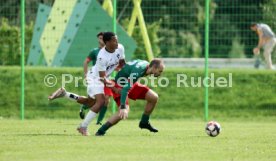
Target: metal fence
column 175, row 28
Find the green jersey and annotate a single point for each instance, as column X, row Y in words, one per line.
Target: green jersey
column 131, row 71
column 93, row 55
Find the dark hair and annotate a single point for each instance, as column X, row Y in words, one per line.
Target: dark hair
column 100, row 34
column 107, row 36
column 253, row 24
column 156, row 63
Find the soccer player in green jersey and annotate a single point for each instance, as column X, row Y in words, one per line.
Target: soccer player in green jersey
column 92, row 57
column 128, row 87
column 129, row 73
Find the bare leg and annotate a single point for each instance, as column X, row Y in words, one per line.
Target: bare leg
column 151, row 98
column 103, row 110
column 113, row 120
column 116, row 118
column 99, row 103
column 91, row 114
column 93, row 110
column 61, row 92
column 107, row 100
column 86, row 101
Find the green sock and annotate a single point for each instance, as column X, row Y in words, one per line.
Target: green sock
column 104, row 127
column 101, row 114
column 85, row 107
column 145, row 118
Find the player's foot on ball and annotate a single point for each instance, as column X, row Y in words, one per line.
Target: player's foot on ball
column 57, row 94
column 83, row 131
column 82, row 113
column 147, row 126
column 99, row 133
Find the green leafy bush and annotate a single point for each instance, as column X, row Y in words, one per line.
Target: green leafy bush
column 10, row 42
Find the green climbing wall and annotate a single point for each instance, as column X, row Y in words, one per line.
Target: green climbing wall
column 68, row 39
column 55, row 27
column 95, row 20
column 65, row 36
column 36, row 56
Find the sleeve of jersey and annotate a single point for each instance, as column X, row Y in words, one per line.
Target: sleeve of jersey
column 134, row 76
column 100, row 63
column 90, row 56
column 124, row 93
column 122, row 50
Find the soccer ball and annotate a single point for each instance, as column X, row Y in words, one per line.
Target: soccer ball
column 212, row 128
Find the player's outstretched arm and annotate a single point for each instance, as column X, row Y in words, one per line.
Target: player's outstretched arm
column 85, row 66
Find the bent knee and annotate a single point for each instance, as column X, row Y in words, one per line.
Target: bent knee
column 155, row 97
column 100, row 102
column 152, row 96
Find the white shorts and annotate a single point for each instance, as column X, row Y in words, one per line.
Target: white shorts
column 94, row 86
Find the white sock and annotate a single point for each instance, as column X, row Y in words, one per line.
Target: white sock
column 71, row 96
column 88, row 118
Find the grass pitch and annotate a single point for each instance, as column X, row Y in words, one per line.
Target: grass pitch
column 178, row 140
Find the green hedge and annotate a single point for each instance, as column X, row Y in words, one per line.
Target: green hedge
column 252, row 95
column 10, row 42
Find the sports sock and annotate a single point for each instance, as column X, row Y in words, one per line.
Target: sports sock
column 101, row 114
column 85, row 107
column 88, row 118
column 145, row 118
column 71, row 96
column 105, row 127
